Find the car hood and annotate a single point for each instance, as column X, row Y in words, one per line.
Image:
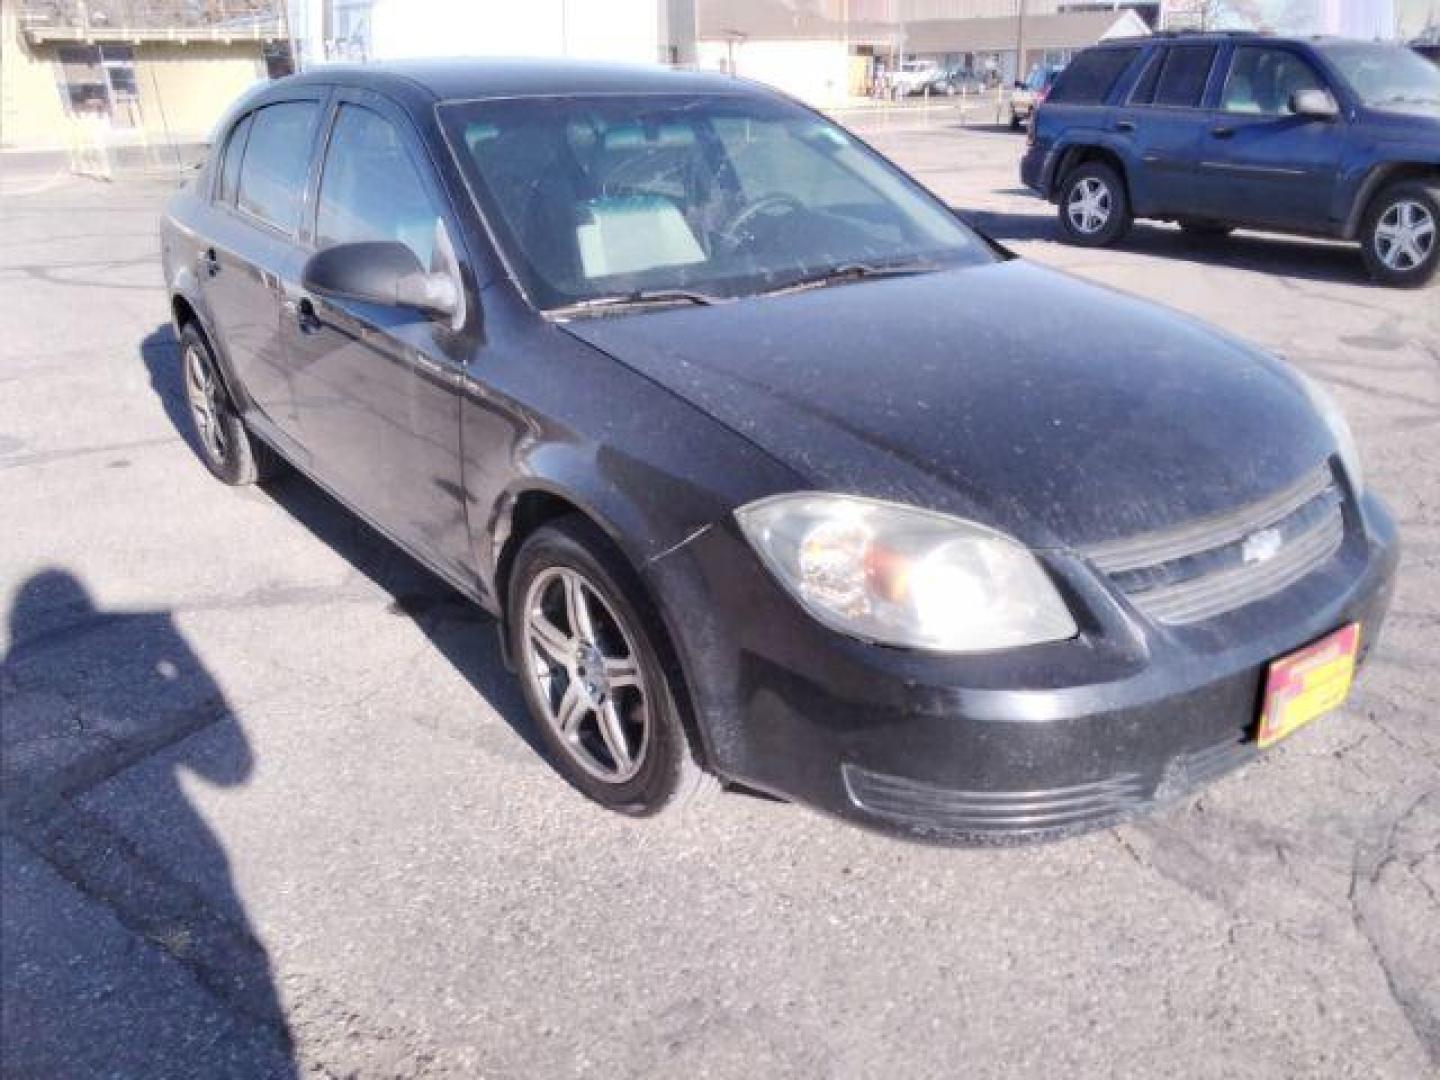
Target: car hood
column 1059, row 411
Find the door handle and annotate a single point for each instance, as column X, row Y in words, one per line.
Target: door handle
column 1223, row 132
column 1125, row 126
column 210, row 262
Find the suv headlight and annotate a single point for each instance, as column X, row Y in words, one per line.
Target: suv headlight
column 1329, row 410
column 897, row 575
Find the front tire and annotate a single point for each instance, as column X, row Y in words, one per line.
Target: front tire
column 229, row 451
column 1094, row 208
column 1400, row 235
column 601, row 697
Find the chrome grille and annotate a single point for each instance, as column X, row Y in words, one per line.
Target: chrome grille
column 1209, row 567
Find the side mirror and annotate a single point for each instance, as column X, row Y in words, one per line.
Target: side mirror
column 380, row 272
column 1314, row 103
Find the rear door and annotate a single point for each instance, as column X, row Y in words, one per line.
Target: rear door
column 1163, row 121
column 377, row 386
column 1261, row 164
column 260, row 196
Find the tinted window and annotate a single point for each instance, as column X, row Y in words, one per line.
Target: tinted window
column 230, row 167
column 272, row 177
column 370, row 189
column 1263, row 80
column 1091, row 76
column 1144, row 92
column 1183, row 78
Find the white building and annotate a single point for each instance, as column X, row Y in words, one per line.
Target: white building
column 641, row 31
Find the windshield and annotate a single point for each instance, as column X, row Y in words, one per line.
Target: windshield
column 715, row 195
column 1385, row 75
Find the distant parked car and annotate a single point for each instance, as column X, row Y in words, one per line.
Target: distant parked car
column 1030, row 94
column 952, row 81
column 912, row 77
column 1324, row 136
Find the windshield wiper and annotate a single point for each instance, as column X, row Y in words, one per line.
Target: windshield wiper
column 637, row 298
column 847, row 272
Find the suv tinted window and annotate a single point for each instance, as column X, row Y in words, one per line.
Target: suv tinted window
column 230, row 166
column 370, row 189
column 272, row 176
column 1262, row 80
column 1183, row 78
column 1091, row 76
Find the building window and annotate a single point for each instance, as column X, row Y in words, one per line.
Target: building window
column 98, row 81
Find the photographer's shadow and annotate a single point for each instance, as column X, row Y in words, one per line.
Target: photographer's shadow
column 100, row 713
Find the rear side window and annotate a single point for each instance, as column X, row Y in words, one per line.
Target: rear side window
column 1091, row 76
column 1183, row 78
column 370, row 189
column 230, row 165
column 272, row 175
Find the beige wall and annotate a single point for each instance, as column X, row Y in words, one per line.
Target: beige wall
column 31, row 112
column 183, row 89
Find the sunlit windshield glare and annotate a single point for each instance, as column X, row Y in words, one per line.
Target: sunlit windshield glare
column 1383, row 75
column 713, row 194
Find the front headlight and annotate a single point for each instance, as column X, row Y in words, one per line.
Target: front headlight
column 897, row 575
column 1329, row 410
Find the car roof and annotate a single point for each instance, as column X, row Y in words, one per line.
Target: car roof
column 462, row 79
column 1205, row 37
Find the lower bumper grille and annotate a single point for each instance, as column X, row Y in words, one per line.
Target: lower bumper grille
column 1210, row 567
column 994, row 816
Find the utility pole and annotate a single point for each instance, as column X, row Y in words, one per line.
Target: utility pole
column 1020, row 41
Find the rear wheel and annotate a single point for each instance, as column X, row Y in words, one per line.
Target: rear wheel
column 226, row 447
column 1094, row 209
column 1015, row 122
column 601, row 697
column 1400, row 236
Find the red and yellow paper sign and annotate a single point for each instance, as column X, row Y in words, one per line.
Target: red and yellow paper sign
column 1308, row 683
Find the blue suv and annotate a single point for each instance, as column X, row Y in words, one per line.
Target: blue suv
column 1321, row 136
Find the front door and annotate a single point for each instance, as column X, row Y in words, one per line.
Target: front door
column 377, row 386
column 1261, row 164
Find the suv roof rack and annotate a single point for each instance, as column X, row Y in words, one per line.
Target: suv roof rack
column 1211, row 33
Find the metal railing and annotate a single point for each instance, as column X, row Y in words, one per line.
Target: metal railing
column 82, row 20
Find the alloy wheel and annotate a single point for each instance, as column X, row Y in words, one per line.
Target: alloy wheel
column 1089, row 205
column 1405, row 235
column 586, row 671
column 202, row 389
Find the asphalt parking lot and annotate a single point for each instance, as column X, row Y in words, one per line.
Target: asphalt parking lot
column 271, row 807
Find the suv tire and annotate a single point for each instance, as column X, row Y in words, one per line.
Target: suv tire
column 622, row 743
column 1094, row 207
column 1400, row 234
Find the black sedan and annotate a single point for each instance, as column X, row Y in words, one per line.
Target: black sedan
column 775, row 473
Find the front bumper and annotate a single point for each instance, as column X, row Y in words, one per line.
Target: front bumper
column 1027, row 744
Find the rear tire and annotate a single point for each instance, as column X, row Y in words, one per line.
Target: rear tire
column 1400, row 234
column 1015, row 122
column 1094, row 207
column 624, row 744
column 228, row 450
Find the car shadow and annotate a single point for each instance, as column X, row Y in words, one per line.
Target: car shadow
column 125, row 947
column 465, row 635
column 1286, row 256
